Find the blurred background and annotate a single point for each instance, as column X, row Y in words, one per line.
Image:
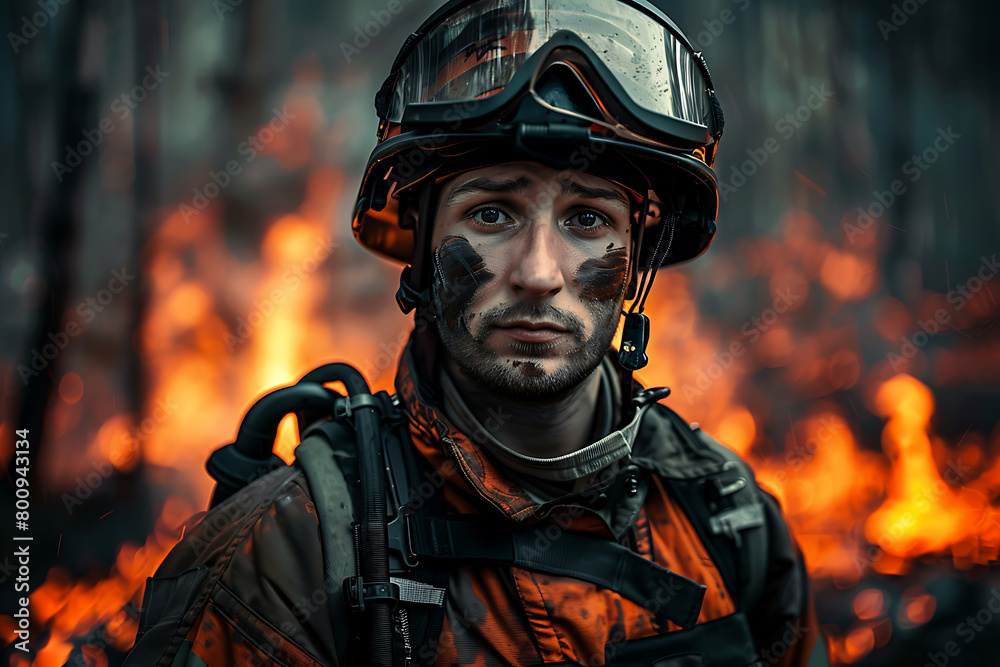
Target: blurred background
column 177, row 185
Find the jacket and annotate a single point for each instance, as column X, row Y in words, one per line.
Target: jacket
column 245, row 586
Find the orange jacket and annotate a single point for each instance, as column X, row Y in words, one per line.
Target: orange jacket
column 246, row 585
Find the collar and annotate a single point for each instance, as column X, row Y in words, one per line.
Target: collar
column 578, row 465
column 500, row 487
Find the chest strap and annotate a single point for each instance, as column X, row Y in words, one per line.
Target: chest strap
column 572, row 554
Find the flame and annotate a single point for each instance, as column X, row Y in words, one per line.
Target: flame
column 224, row 327
column 869, row 604
column 69, row 609
column 923, row 513
column 219, row 332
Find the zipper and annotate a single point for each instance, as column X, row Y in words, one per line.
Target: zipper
column 403, row 620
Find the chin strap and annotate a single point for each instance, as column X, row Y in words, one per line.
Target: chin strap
column 408, row 298
column 635, row 333
column 416, row 282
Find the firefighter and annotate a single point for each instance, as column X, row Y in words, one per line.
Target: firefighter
column 519, row 499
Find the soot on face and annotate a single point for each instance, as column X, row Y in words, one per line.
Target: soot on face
column 462, row 271
column 602, row 278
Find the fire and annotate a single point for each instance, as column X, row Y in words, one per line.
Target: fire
column 222, row 329
column 219, row 332
column 70, row 609
column 923, row 513
column 824, row 481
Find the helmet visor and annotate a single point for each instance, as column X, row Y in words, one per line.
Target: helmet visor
column 476, row 51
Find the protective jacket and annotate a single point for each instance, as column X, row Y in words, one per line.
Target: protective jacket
column 245, row 586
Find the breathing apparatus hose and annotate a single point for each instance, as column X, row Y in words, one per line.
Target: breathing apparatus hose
column 251, row 454
column 374, row 536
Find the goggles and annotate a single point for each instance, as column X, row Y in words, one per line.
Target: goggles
column 650, row 84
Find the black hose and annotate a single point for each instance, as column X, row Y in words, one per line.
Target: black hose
column 250, row 456
column 255, row 441
column 374, row 536
column 260, row 425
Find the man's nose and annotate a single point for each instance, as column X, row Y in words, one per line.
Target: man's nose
column 538, row 266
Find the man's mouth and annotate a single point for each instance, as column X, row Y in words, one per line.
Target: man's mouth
column 532, row 332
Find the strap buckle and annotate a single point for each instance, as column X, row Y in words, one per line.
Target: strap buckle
column 399, row 536
column 738, row 518
column 650, row 395
column 357, row 593
column 344, row 406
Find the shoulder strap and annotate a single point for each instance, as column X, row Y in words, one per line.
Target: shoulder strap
column 607, row 563
column 328, row 455
column 744, row 523
column 418, row 489
column 726, row 510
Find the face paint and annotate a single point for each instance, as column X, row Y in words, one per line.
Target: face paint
column 528, row 368
column 603, row 278
column 461, row 272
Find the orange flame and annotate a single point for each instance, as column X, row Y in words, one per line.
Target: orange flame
column 221, row 330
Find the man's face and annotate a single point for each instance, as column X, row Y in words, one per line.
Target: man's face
column 530, row 265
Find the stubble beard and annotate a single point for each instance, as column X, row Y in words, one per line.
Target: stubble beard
column 526, row 377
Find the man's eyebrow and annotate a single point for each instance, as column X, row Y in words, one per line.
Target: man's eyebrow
column 484, row 184
column 574, row 188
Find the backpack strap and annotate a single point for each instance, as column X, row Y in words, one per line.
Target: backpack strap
column 419, row 491
column 328, row 456
column 744, row 523
column 607, row 563
column 726, row 510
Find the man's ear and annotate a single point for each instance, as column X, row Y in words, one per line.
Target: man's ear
column 408, row 215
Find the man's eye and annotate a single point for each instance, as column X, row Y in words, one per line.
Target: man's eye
column 588, row 220
column 490, row 216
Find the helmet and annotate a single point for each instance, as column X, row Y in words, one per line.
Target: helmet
column 610, row 87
